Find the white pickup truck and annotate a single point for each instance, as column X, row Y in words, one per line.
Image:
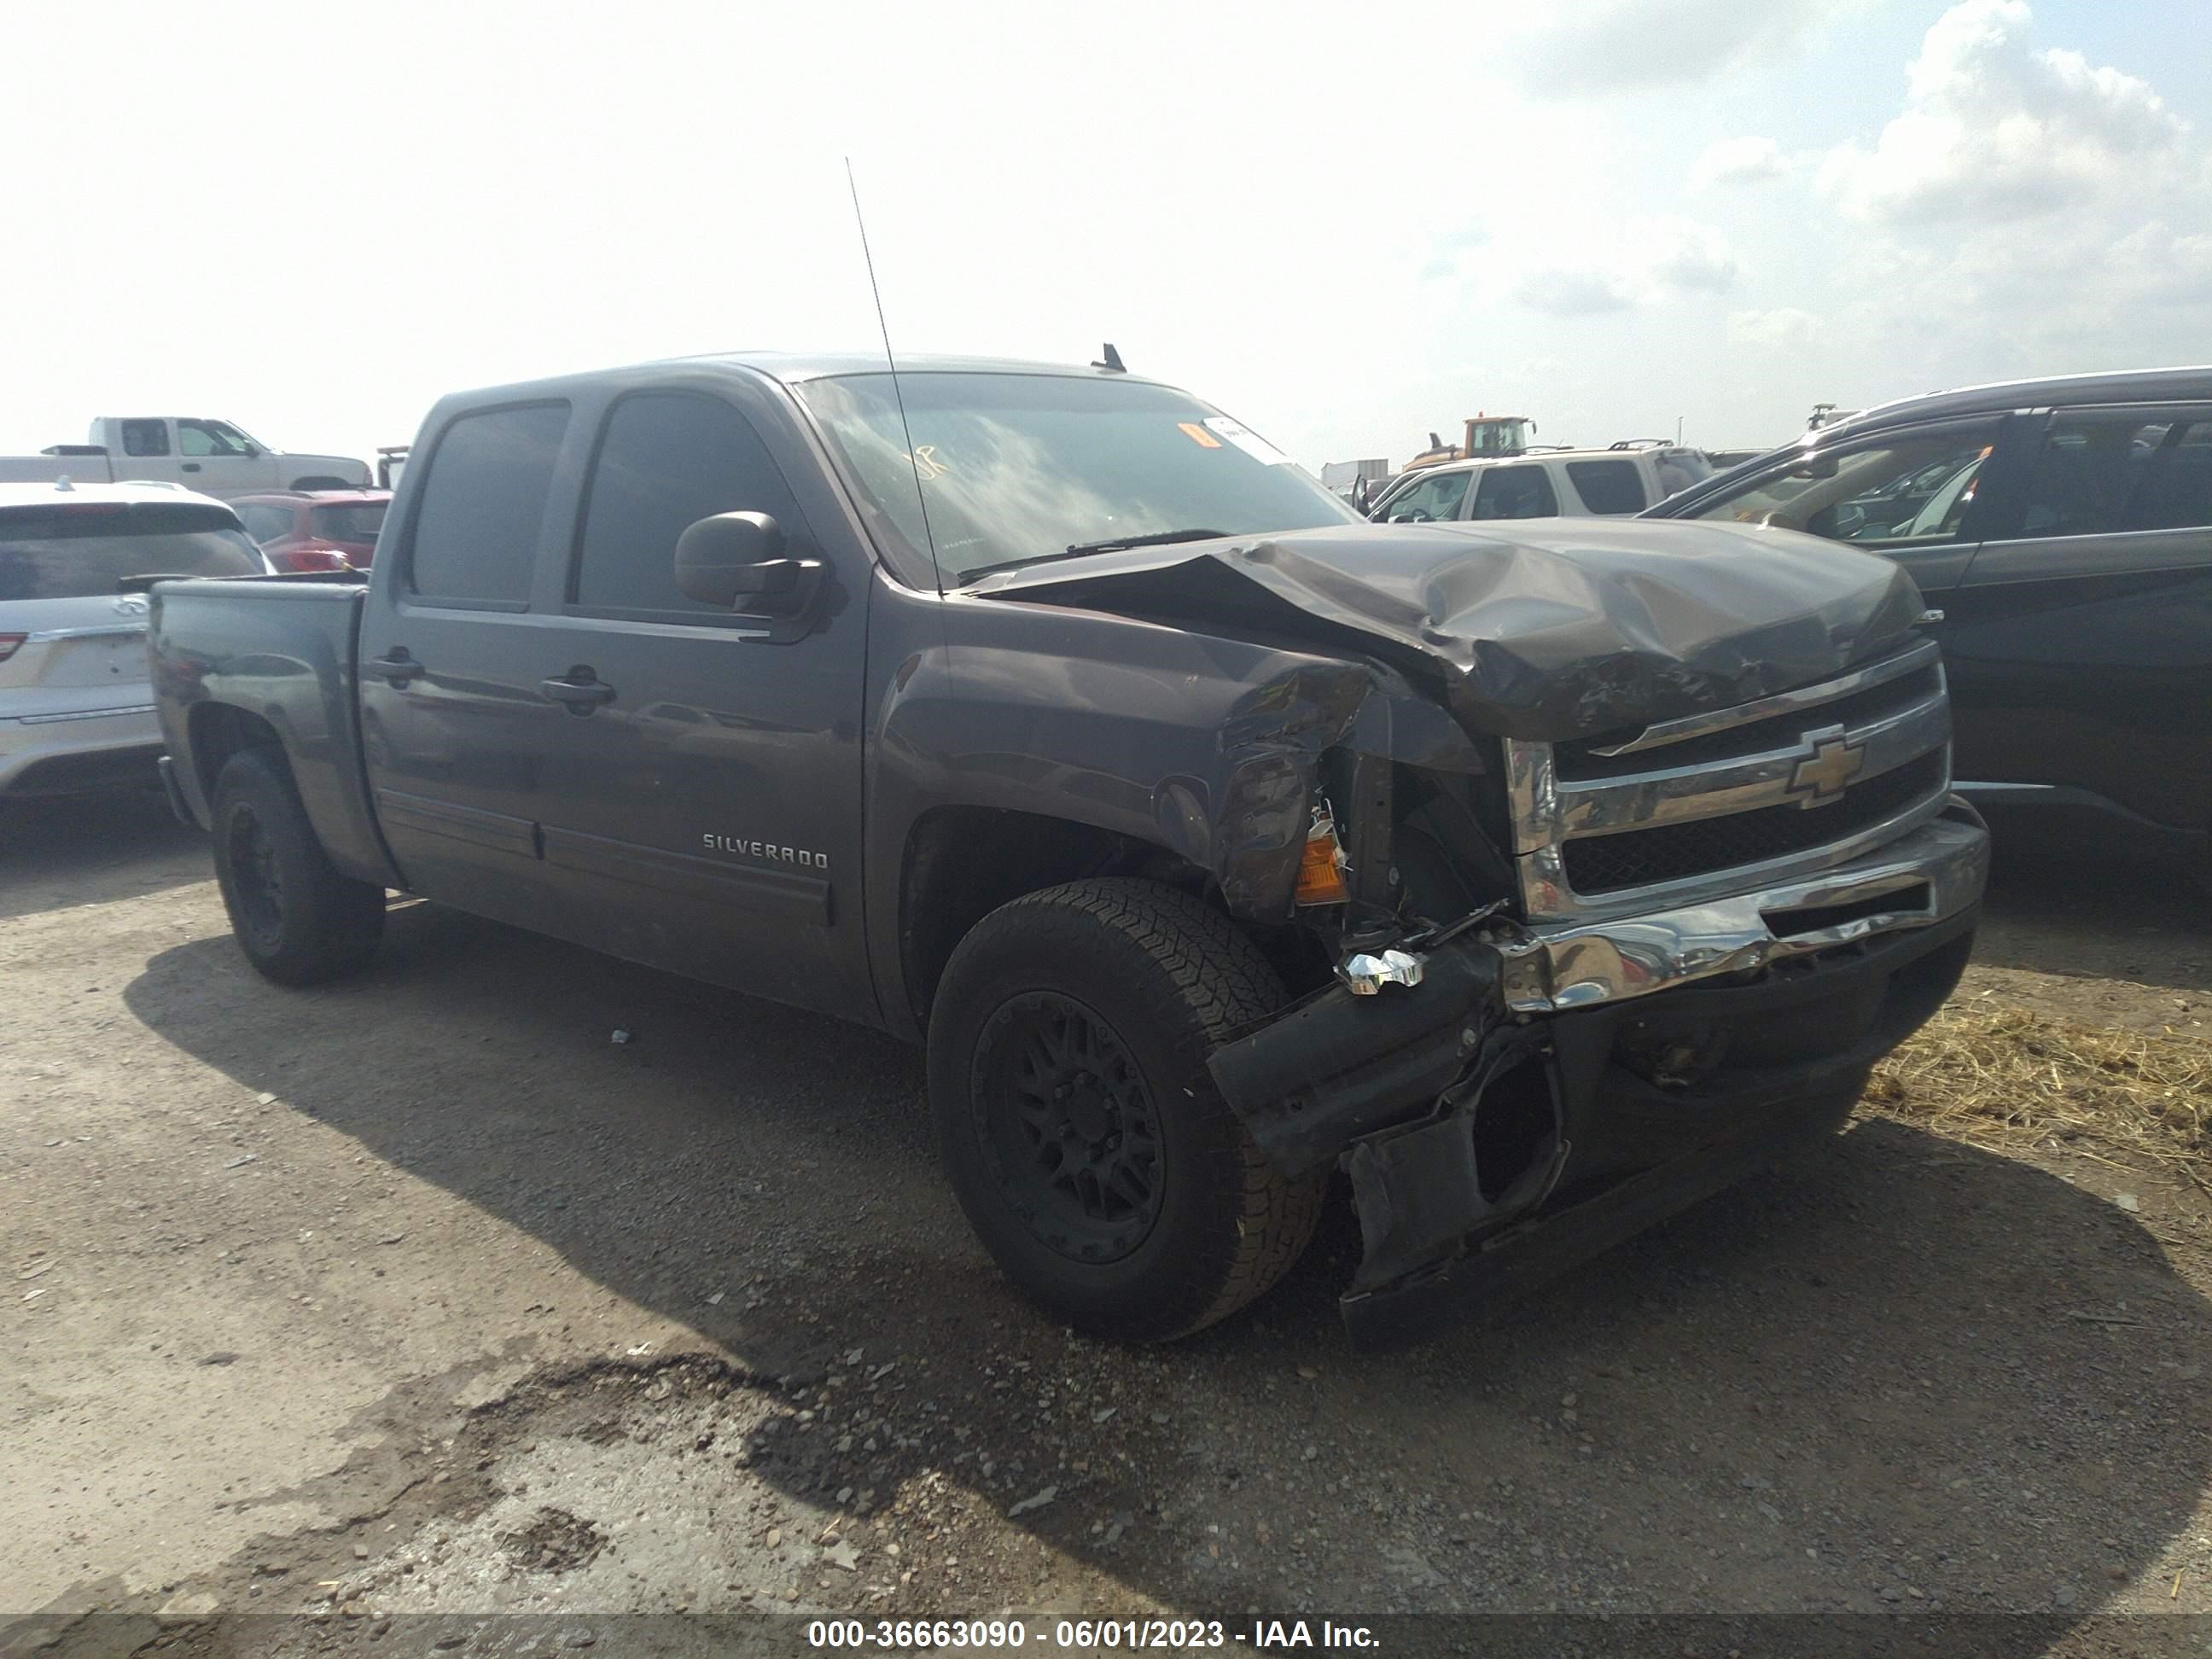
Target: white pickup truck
column 212, row 457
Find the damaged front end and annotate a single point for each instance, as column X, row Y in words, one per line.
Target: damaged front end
column 1616, row 858
column 1538, row 1094
column 1514, row 1073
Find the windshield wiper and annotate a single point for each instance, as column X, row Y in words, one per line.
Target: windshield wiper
column 1111, row 544
column 1158, row 538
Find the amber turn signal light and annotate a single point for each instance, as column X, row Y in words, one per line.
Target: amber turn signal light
column 1320, row 866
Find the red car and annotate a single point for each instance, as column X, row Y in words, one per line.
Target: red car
column 315, row 529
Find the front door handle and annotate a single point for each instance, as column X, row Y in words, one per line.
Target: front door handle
column 580, row 689
column 397, row 667
column 190, row 466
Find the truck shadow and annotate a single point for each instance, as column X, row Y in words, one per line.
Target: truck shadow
column 2050, row 912
column 72, row 849
column 1905, row 1366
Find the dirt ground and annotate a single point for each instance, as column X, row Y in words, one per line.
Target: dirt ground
column 420, row 1294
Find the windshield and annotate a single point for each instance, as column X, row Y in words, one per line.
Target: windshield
column 73, row 552
column 1017, row 467
column 352, row 521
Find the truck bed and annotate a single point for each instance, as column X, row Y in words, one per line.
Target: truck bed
column 43, row 468
column 270, row 658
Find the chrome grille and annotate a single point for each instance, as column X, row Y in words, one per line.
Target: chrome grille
column 1790, row 783
column 1672, row 852
column 1594, row 757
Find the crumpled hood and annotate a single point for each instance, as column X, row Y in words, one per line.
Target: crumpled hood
column 1550, row 629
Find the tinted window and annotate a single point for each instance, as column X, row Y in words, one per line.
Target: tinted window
column 145, row 438
column 1514, row 492
column 1020, row 466
column 476, row 528
column 667, row 460
column 76, row 551
column 1900, row 491
column 1607, row 486
column 1436, row 497
column 264, row 523
column 350, row 521
column 2103, row 471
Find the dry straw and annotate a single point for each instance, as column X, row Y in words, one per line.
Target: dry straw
column 2003, row 1076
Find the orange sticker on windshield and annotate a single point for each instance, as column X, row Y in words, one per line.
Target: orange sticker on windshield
column 1199, row 435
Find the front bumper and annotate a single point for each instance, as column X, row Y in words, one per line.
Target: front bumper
column 1543, row 1094
column 1919, row 880
column 1784, row 1061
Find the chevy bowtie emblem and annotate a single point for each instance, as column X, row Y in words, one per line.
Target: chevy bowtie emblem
column 1821, row 776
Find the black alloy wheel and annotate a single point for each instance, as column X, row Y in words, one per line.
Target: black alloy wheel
column 1070, row 1127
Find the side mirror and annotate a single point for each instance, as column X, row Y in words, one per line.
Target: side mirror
column 735, row 561
column 252, row 451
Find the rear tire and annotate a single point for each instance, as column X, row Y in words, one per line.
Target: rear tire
column 299, row 921
column 1093, row 1155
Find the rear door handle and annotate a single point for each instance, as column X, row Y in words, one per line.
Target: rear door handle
column 397, row 667
column 190, row 466
column 580, row 691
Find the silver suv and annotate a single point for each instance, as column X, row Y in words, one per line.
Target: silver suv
column 77, row 711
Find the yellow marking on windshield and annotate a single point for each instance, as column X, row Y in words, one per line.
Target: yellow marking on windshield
column 1199, row 435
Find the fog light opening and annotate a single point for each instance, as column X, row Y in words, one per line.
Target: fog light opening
column 1516, row 1130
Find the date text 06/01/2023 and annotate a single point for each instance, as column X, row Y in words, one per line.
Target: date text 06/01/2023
column 1087, row 1635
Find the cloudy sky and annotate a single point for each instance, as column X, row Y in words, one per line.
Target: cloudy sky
column 1345, row 226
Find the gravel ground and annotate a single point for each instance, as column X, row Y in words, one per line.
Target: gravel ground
column 420, row 1294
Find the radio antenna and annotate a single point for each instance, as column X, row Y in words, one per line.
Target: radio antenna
column 897, row 395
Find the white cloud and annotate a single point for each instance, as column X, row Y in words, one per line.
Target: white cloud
column 2025, row 212
column 1680, row 253
column 1785, row 326
column 1739, row 162
column 1569, row 291
column 1629, row 45
column 1641, row 262
column 1993, row 131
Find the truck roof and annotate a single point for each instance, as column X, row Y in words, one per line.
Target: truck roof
column 794, row 368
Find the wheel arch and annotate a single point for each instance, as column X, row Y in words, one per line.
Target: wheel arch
column 961, row 863
column 217, row 731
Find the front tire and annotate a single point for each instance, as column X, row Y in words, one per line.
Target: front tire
column 299, row 921
column 1091, row 1152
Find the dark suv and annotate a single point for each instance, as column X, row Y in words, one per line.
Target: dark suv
column 2064, row 527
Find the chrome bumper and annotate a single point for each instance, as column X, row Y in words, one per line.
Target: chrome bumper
column 1935, row 871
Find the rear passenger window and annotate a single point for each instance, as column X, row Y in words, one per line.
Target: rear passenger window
column 1514, row 492
column 1607, row 486
column 667, row 460
column 476, row 530
column 145, row 438
column 2108, row 471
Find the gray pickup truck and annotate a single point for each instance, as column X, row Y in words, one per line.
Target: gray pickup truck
column 1212, row 839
